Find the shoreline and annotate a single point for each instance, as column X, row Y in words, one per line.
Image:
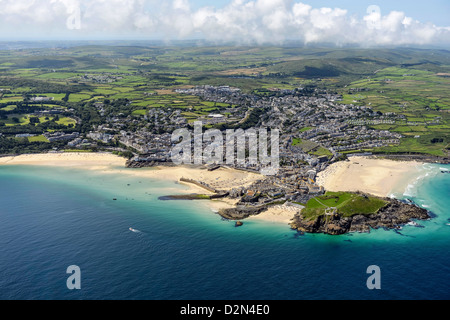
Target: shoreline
column 223, row 178
column 279, row 214
column 108, row 163
column 66, row 159
column 379, row 177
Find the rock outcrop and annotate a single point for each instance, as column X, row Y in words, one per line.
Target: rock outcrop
column 240, row 212
column 392, row 216
column 146, row 164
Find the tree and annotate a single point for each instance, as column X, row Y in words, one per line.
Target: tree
column 437, row 140
column 66, row 97
column 34, row 120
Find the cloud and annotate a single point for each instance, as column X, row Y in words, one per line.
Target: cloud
column 247, row 21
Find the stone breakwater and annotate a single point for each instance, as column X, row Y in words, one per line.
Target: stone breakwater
column 394, row 215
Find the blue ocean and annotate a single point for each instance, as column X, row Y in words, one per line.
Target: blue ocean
column 53, row 218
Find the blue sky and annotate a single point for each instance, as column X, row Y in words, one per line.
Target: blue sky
column 435, row 11
column 399, row 22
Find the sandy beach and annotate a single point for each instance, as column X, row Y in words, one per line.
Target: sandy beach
column 67, row 159
column 277, row 214
column 221, row 179
column 375, row 176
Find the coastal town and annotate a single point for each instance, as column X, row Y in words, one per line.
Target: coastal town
column 314, row 130
column 223, row 155
column 325, row 131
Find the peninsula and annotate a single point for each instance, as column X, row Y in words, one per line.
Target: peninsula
column 356, row 209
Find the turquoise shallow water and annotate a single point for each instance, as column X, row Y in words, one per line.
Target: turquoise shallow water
column 53, row 218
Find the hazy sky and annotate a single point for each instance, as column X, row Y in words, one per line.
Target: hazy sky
column 368, row 23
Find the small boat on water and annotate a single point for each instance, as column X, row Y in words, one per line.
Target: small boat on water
column 133, row 230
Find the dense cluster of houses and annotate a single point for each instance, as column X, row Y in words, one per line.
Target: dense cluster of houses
column 318, row 118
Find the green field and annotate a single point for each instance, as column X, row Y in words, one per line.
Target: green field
column 66, row 121
column 311, row 147
column 24, row 119
column 420, row 95
column 306, row 145
column 345, row 203
column 406, row 81
column 9, row 108
column 321, row 151
column 40, row 138
column 404, row 91
column 305, row 129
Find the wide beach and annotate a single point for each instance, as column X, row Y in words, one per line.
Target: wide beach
column 376, row 176
column 221, row 179
column 66, row 159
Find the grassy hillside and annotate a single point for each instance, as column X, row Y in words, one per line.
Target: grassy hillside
column 344, row 203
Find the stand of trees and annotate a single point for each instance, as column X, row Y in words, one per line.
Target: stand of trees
column 21, row 146
column 39, row 86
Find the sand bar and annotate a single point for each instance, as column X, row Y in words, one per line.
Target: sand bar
column 375, row 176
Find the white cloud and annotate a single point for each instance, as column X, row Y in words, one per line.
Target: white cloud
column 181, row 5
column 242, row 20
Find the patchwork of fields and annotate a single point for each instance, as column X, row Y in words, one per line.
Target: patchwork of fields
column 408, row 82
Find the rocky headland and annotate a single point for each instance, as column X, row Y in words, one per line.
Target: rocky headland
column 394, row 215
column 292, row 193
